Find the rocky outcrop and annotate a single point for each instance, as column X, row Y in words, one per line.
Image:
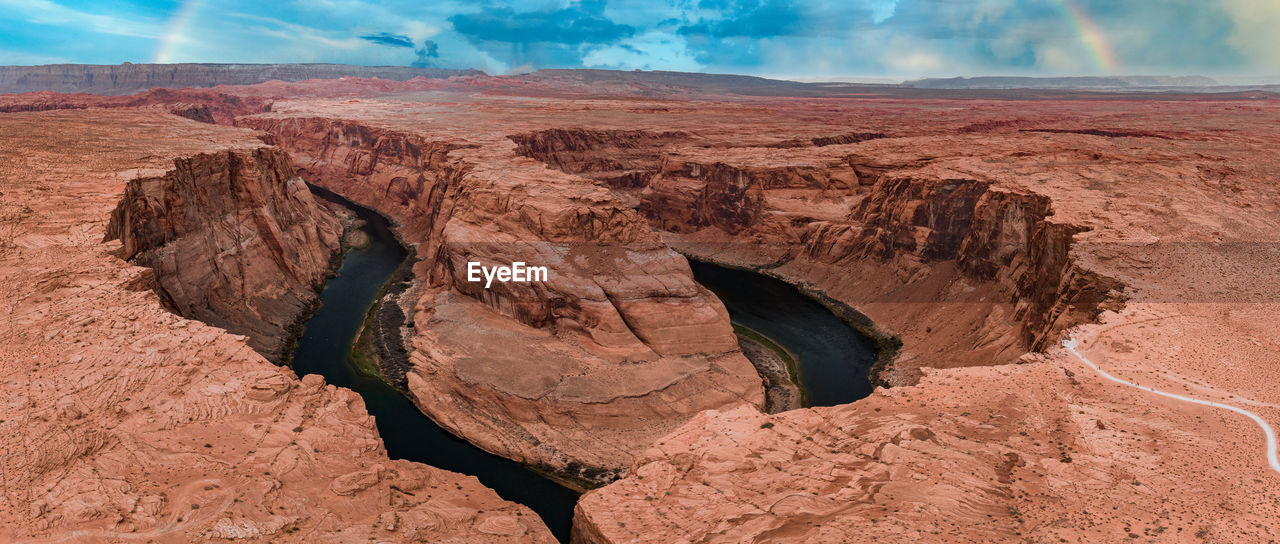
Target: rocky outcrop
column 847, row 138
column 404, row 176
column 235, row 239
column 131, row 78
column 884, row 236
column 1101, row 132
column 575, row 374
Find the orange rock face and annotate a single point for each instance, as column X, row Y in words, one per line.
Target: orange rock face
column 125, row 421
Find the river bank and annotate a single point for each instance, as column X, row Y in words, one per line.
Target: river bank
column 777, row 367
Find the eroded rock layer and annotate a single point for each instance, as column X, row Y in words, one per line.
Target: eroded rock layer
column 125, row 421
column 235, row 240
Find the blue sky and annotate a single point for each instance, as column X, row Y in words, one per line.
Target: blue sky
column 890, row 38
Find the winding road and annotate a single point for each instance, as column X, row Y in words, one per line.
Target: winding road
column 1070, row 344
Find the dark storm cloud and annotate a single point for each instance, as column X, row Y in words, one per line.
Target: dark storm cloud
column 394, row 40
column 427, row 55
column 749, row 18
column 579, row 23
column 773, row 18
column 541, row 39
column 730, row 31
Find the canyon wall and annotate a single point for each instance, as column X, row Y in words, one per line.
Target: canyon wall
column 620, row 158
column 993, row 235
column 881, row 232
column 131, row 78
column 235, row 240
column 575, row 374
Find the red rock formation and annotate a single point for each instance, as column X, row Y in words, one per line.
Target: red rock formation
column 235, row 239
column 849, row 138
column 617, row 348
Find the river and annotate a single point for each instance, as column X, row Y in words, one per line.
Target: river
column 325, row 348
column 833, row 360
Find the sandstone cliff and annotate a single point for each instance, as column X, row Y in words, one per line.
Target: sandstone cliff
column 992, row 235
column 576, row 374
column 235, row 240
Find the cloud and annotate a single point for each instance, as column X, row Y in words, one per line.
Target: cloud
column 427, row 55
column 774, row 18
column 384, row 38
column 1254, row 33
column 750, row 18
column 546, row 38
column 908, row 38
column 580, row 22
column 653, row 50
column 44, row 12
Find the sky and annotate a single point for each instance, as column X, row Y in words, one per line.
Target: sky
column 774, row 38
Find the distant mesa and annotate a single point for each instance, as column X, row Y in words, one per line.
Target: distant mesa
column 133, row 78
column 1081, row 82
column 128, row 79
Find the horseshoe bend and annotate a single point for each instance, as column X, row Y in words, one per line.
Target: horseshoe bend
column 868, row 345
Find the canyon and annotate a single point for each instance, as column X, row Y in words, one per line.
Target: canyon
column 966, row 235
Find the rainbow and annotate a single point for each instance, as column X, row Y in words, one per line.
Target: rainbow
column 176, row 31
column 1104, row 56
